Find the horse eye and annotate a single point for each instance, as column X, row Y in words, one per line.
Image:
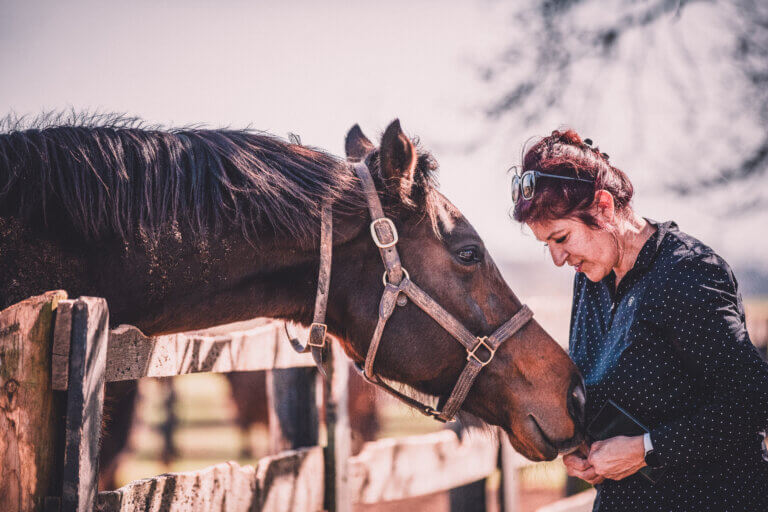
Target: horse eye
column 468, row 254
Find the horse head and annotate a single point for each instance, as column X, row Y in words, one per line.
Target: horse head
column 530, row 388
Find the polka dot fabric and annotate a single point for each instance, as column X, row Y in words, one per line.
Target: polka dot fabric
column 670, row 346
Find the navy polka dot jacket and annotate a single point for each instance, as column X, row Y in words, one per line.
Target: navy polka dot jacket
column 671, row 347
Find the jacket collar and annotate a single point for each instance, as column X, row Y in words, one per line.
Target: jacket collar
column 652, row 246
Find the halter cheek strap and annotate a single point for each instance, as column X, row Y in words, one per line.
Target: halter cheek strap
column 398, row 286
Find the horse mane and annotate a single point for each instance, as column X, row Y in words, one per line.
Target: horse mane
column 112, row 174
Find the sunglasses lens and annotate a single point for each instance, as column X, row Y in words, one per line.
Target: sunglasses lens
column 528, row 183
column 515, row 188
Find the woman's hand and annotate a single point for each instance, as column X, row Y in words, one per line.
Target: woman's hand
column 617, row 457
column 576, row 464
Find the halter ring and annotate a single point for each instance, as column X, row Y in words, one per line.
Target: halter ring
column 384, row 277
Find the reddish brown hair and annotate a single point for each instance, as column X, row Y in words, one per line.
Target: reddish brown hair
column 564, row 153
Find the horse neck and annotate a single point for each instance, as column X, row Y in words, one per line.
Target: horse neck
column 225, row 278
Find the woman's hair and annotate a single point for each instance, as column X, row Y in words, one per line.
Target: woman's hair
column 563, row 153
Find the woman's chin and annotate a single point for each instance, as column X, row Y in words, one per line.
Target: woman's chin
column 594, row 274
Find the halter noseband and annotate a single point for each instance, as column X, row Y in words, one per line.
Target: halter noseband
column 398, row 286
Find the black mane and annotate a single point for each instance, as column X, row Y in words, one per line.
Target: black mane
column 112, row 175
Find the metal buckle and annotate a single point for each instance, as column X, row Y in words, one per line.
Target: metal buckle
column 384, row 277
column 481, row 342
column 313, row 332
column 434, row 414
column 393, row 229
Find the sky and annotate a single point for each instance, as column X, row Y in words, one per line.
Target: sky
column 317, row 68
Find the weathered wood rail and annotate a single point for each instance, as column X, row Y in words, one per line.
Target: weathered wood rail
column 43, row 363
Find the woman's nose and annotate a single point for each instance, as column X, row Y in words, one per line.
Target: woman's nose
column 559, row 256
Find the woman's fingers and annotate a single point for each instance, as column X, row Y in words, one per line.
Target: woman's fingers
column 588, row 474
column 576, row 462
column 617, row 457
column 580, row 467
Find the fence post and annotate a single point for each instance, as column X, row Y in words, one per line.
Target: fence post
column 27, row 428
column 168, row 427
column 469, row 497
column 85, row 402
column 339, row 447
column 510, row 491
column 292, row 408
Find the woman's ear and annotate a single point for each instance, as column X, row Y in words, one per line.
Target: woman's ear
column 604, row 206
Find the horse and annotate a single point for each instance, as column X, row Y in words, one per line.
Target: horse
column 183, row 229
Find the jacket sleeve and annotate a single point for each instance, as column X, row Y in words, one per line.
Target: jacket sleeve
column 698, row 309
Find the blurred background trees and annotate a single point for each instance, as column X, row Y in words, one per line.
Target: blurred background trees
column 705, row 62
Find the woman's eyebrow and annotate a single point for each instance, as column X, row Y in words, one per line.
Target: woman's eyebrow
column 554, row 233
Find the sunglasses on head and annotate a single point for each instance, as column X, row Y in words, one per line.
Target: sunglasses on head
column 524, row 185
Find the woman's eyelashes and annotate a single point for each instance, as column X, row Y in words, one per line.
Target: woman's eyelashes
column 557, row 240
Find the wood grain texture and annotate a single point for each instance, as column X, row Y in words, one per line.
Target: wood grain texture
column 289, row 482
column 133, row 356
column 26, row 408
column 399, row 468
column 85, row 403
column 62, row 332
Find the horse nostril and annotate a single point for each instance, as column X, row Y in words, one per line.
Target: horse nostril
column 577, row 398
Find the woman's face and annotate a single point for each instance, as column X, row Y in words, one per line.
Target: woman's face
column 588, row 250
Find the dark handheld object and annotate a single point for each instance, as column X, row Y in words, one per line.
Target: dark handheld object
column 614, row 421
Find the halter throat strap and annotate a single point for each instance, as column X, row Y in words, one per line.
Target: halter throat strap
column 317, row 341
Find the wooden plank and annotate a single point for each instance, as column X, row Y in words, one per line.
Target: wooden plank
column 289, row 482
column 133, row 356
column 60, row 351
column 581, row 502
column 27, row 428
column 338, row 497
column 394, row 469
column 224, row 487
column 292, row 400
column 85, row 403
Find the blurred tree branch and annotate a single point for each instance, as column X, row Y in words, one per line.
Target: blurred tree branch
column 554, row 38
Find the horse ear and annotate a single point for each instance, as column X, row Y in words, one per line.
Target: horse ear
column 357, row 144
column 397, row 159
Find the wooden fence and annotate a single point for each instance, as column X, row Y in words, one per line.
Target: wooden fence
column 56, row 355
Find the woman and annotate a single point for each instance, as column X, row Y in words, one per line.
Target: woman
column 657, row 326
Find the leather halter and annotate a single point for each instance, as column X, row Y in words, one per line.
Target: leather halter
column 398, row 286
